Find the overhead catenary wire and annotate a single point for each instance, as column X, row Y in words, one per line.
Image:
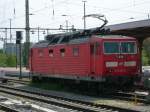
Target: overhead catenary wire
column 121, row 9
column 78, row 3
column 36, row 11
column 110, row 9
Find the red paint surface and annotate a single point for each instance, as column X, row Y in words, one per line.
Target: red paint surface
column 85, row 64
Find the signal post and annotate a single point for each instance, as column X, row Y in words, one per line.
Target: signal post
column 18, row 41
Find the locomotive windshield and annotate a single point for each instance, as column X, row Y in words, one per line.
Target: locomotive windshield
column 111, row 47
column 120, row 47
column 128, row 47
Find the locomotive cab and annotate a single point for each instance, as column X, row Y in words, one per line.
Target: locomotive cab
column 120, row 60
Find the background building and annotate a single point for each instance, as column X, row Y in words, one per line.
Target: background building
column 11, row 49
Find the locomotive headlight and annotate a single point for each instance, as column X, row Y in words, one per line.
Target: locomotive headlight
column 130, row 63
column 111, row 64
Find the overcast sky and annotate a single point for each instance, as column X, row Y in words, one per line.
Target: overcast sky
column 48, row 13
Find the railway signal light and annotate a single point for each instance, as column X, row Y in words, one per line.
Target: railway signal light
column 18, row 37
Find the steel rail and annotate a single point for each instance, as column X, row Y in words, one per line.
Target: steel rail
column 128, row 97
column 7, row 108
column 118, row 95
column 64, row 102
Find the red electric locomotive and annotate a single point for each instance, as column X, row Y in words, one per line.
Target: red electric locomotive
column 88, row 57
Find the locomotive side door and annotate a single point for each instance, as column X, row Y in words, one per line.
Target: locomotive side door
column 94, row 51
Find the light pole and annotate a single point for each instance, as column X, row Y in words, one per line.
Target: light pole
column 67, row 25
column 38, row 30
column 66, row 22
column 10, row 29
column 6, row 34
column 38, row 33
column 84, row 16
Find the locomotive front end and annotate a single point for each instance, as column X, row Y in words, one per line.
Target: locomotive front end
column 121, row 60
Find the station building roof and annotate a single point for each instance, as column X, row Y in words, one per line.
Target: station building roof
column 138, row 29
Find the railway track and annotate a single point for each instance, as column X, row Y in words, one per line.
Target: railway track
column 7, row 109
column 63, row 102
column 132, row 96
column 26, row 82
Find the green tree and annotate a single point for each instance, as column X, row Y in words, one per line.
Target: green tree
column 1, row 51
column 11, row 61
column 3, row 58
column 146, row 52
column 145, row 58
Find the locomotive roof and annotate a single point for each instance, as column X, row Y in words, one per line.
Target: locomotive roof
column 77, row 37
column 114, row 37
column 40, row 44
column 82, row 39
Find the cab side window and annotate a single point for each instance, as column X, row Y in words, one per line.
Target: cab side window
column 51, row 54
column 62, row 52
